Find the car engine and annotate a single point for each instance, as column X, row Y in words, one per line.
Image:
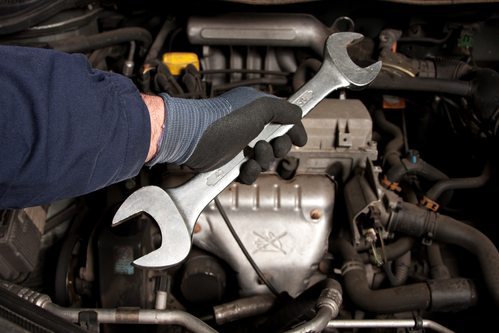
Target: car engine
column 383, row 222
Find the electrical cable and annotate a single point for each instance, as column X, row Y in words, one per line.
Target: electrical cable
column 243, row 248
column 244, row 71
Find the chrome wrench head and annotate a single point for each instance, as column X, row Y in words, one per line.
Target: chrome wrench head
column 175, row 238
column 336, row 53
column 176, row 210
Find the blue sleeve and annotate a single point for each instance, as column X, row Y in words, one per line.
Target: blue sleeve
column 65, row 129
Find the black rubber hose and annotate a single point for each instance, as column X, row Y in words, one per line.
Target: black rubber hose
column 417, row 167
column 103, row 39
column 418, row 222
column 300, row 76
column 393, row 250
column 394, row 147
column 434, row 295
column 398, row 299
column 453, row 87
column 400, row 272
column 159, row 41
column 21, row 16
column 438, row 269
column 459, row 183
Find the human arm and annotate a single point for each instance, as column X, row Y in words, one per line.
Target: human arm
column 67, row 129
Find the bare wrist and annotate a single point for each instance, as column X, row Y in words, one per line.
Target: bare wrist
column 156, row 108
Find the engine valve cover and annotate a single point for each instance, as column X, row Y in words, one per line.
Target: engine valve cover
column 284, row 226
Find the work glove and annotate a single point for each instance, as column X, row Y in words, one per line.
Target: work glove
column 207, row 133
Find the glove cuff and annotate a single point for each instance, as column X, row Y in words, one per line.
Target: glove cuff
column 186, row 120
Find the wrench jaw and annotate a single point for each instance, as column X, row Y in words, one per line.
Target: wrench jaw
column 162, row 258
column 176, row 239
column 336, row 53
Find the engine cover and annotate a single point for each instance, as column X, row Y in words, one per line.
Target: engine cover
column 284, row 226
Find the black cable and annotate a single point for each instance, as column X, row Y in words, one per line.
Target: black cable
column 243, row 248
column 244, row 71
column 404, row 132
column 248, row 82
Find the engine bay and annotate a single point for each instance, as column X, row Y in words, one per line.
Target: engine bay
column 383, row 222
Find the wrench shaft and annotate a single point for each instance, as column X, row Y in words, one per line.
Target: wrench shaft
column 192, row 197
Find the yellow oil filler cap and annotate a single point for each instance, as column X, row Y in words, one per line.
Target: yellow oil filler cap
column 177, row 61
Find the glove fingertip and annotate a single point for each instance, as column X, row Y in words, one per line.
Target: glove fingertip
column 298, row 135
column 281, row 145
column 264, row 154
column 249, row 172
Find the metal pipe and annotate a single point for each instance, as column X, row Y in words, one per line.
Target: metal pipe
column 388, row 323
column 112, row 316
column 134, row 316
column 316, row 324
column 298, row 30
column 243, row 308
column 328, row 306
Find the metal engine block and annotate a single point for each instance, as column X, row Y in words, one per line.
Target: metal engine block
column 273, row 216
column 284, row 225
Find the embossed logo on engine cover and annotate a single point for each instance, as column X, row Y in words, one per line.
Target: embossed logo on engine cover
column 269, row 242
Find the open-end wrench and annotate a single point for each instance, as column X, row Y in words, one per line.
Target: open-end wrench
column 176, row 210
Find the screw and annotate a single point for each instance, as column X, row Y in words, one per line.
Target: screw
column 315, row 214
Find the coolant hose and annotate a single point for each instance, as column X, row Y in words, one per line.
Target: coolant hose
column 445, row 86
column 414, row 167
column 459, row 183
column 434, row 295
column 395, row 145
column 20, row 15
column 103, row 39
column 393, row 250
column 300, row 76
column 418, row 222
column 438, row 269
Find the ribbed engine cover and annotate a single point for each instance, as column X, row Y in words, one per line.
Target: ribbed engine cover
column 284, row 225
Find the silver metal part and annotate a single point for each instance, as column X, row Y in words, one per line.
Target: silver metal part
column 242, row 308
column 284, row 225
column 298, row 30
column 189, row 200
column 362, row 193
column 388, row 323
column 241, row 58
column 338, row 131
column 112, row 316
column 328, row 307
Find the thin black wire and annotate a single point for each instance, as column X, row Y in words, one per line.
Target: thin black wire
column 243, row 248
column 404, row 131
column 242, row 71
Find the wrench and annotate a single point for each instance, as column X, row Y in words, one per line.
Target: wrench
column 176, row 210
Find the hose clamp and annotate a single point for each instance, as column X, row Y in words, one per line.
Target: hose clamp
column 351, row 266
column 430, row 227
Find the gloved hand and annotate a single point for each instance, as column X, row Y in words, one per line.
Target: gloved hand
column 205, row 134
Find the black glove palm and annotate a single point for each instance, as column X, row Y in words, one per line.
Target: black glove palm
column 206, row 134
